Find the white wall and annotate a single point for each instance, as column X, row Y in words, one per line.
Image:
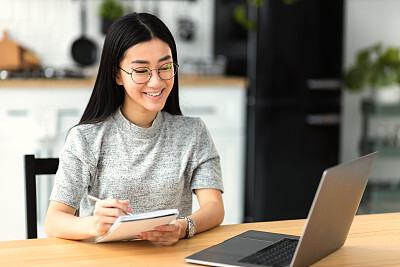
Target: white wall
column 367, row 23
column 49, row 27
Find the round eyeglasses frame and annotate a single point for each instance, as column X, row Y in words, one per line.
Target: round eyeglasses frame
column 151, row 73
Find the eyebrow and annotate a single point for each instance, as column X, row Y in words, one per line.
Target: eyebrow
column 147, row 62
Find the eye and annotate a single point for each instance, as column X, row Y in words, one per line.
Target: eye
column 167, row 66
column 141, row 70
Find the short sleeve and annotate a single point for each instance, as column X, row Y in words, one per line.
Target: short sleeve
column 74, row 171
column 207, row 172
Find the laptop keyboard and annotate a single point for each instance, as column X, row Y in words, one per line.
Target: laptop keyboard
column 279, row 253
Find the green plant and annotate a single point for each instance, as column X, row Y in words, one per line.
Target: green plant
column 111, row 9
column 375, row 67
column 240, row 15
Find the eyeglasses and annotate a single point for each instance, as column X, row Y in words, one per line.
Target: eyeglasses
column 142, row 75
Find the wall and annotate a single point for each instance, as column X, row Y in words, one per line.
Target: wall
column 49, row 27
column 367, row 23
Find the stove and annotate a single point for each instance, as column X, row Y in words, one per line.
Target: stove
column 43, row 73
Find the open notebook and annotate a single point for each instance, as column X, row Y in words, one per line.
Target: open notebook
column 129, row 226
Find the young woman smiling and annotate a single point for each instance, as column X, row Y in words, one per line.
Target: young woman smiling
column 133, row 148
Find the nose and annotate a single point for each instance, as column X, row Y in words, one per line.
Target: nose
column 155, row 81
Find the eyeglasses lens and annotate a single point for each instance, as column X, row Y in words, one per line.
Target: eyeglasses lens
column 166, row 72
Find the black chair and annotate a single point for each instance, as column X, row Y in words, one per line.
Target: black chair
column 35, row 166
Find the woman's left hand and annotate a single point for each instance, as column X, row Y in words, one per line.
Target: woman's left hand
column 167, row 234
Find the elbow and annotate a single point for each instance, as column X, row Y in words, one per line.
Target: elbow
column 48, row 228
column 221, row 216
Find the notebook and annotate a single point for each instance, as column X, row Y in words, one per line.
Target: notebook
column 129, row 226
column 328, row 223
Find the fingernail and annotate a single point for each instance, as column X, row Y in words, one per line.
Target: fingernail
column 130, row 210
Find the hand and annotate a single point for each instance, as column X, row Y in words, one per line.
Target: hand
column 106, row 213
column 164, row 234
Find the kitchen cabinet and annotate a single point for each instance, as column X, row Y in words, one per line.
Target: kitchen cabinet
column 34, row 121
column 37, row 115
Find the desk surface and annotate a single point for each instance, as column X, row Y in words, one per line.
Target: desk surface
column 374, row 240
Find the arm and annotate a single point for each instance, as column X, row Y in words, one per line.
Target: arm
column 61, row 221
column 210, row 214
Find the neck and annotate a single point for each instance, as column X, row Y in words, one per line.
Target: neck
column 141, row 119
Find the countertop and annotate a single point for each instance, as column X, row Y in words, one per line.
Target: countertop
column 89, row 82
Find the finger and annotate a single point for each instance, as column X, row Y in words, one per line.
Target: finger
column 115, row 203
column 104, row 219
column 164, row 240
column 158, row 235
column 166, row 228
column 110, row 212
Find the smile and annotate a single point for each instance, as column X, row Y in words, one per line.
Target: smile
column 156, row 94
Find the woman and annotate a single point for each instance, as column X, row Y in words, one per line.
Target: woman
column 133, row 148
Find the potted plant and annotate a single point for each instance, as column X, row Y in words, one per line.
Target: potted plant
column 376, row 68
column 109, row 11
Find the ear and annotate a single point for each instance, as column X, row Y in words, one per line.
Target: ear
column 118, row 79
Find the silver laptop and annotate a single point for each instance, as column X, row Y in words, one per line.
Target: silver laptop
column 328, row 223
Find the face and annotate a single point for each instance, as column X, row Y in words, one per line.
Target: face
column 150, row 97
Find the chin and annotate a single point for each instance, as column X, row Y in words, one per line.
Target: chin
column 155, row 109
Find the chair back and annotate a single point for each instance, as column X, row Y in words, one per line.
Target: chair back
column 35, row 166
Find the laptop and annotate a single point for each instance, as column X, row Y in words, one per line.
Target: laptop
column 328, row 223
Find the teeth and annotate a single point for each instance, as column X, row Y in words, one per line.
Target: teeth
column 153, row 94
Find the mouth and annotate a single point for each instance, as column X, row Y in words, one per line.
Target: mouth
column 154, row 94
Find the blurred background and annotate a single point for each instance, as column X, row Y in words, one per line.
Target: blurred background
column 287, row 89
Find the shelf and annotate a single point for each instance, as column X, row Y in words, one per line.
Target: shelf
column 378, row 109
column 384, row 150
column 380, row 199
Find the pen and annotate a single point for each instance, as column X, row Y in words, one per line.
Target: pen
column 97, row 199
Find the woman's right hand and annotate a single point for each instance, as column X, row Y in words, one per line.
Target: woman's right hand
column 106, row 213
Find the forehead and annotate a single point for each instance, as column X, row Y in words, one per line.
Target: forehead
column 150, row 51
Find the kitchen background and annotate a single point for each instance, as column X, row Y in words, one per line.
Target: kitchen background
column 48, row 28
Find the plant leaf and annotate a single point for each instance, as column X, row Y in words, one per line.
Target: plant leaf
column 240, row 17
column 357, row 77
column 391, row 57
column 382, row 76
column 363, row 57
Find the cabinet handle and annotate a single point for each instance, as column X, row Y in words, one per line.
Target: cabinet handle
column 324, row 84
column 322, row 119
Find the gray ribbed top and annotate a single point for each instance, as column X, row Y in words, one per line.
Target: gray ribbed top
column 155, row 168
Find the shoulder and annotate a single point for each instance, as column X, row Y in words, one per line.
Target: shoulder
column 89, row 134
column 183, row 124
column 88, row 131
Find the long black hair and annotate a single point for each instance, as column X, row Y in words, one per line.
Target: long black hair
column 124, row 33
